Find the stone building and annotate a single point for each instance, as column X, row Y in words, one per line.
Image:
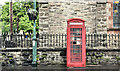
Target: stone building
column 98, row 16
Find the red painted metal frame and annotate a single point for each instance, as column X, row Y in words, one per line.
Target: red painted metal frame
column 76, row 64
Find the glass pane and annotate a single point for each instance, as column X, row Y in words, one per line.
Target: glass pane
column 76, row 51
column 116, row 14
column 77, row 38
column 72, row 38
column 75, row 34
column 71, row 29
column 76, row 29
column 76, row 46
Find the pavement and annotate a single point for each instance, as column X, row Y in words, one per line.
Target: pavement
column 61, row 68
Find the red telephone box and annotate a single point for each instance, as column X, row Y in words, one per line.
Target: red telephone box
column 76, row 43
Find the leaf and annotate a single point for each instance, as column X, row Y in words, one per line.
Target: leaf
column 19, row 11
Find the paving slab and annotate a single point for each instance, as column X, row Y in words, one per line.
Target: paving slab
column 61, row 68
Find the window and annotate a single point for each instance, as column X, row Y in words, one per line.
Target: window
column 116, row 14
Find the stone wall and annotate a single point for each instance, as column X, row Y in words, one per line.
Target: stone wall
column 53, row 16
column 57, row 58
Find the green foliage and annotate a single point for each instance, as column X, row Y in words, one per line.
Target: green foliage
column 107, row 59
column 99, row 58
column 44, row 56
column 118, row 58
column 5, row 28
column 10, row 58
column 25, row 24
column 87, row 54
column 37, row 57
column 0, row 26
column 102, row 57
column 94, row 63
column 19, row 11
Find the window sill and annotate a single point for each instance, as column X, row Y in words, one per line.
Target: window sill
column 113, row 29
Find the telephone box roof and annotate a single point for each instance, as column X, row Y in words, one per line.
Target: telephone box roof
column 76, row 19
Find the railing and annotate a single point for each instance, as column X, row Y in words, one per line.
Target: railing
column 103, row 40
column 60, row 41
column 52, row 40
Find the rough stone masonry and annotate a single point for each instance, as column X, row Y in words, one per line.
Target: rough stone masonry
column 53, row 16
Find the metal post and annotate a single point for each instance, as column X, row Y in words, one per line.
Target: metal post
column 34, row 63
column 11, row 20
